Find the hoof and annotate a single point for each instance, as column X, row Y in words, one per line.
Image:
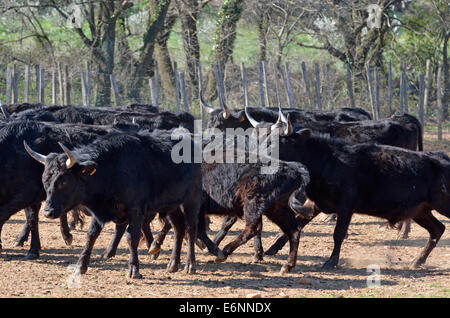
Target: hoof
column 257, row 258
column 154, row 256
column 190, row 269
column 285, row 269
column 329, row 265
column 18, row 243
column 133, row 273
column 31, row 256
column 172, row 267
column 106, row 256
column 416, row 264
column 154, row 248
column 221, row 257
column 68, row 240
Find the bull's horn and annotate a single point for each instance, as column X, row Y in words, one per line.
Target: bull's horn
column 4, row 111
column 279, row 120
column 35, row 155
column 71, row 161
column 205, row 105
column 288, row 131
column 223, row 104
column 252, row 121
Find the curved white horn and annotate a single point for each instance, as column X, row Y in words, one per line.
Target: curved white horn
column 252, row 121
column 71, row 161
column 35, row 155
column 205, row 105
column 4, row 111
column 223, row 104
column 288, row 131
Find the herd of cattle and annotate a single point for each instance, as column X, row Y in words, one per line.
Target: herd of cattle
column 115, row 164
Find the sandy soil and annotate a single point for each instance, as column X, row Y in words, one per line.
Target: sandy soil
column 367, row 246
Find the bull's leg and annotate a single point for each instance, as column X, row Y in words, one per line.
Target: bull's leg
column 435, row 228
column 257, row 244
column 252, row 220
column 133, row 234
column 146, row 231
column 340, row 231
column 177, row 220
column 65, row 231
column 23, row 236
column 227, row 223
column 85, row 257
column 32, row 216
column 202, row 236
column 282, row 238
column 191, row 216
column 287, row 223
column 155, row 247
column 405, row 229
column 110, row 252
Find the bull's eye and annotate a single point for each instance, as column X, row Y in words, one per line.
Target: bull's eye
column 61, row 184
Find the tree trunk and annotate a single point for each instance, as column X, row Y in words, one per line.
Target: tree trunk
column 143, row 65
column 162, row 56
column 108, row 42
column 224, row 37
column 263, row 27
column 445, row 68
column 188, row 13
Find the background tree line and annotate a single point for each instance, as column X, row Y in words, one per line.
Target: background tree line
column 128, row 38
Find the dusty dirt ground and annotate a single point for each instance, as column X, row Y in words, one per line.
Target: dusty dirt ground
column 239, row 276
column 50, row 276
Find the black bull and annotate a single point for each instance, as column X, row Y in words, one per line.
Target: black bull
column 377, row 180
column 21, row 175
column 132, row 166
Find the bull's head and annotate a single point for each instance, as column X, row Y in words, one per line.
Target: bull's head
column 64, row 179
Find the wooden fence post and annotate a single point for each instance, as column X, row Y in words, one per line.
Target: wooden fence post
column 405, row 88
column 330, row 88
column 350, row 87
column 88, row 84
column 427, row 86
column 261, row 84
column 27, row 84
column 421, row 100
column 67, row 86
column 371, row 92
column 38, row 82
column 318, row 97
column 200, row 91
column 288, row 85
column 115, row 89
column 307, row 88
column 266, row 86
column 61, row 84
column 177, row 86
column 439, row 102
column 183, row 92
column 390, row 88
column 54, row 88
column 42, row 86
column 15, row 85
column 244, row 84
column 8, row 84
column 377, row 93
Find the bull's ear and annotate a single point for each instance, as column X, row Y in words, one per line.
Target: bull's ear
column 304, row 133
column 88, row 167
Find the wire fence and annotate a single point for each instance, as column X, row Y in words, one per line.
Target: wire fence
column 304, row 85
